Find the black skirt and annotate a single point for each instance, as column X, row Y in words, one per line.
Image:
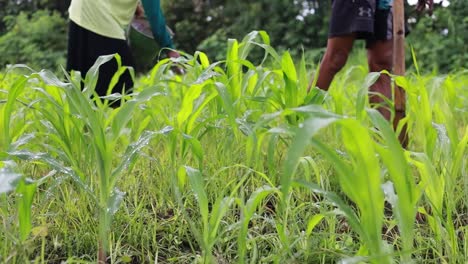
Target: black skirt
column 84, row 47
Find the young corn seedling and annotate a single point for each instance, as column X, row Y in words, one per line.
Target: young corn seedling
column 404, row 202
column 360, row 180
column 11, row 131
column 248, row 210
column 211, row 219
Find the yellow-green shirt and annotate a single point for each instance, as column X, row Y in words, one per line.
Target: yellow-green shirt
column 110, row 18
column 104, row 17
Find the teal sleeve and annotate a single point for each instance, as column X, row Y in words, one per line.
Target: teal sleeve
column 385, row 4
column 157, row 21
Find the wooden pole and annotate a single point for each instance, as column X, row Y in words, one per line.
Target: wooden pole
column 399, row 63
column 399, row 37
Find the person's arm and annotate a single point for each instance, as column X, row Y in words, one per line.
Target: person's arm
column 158, row 23
column 423, row 4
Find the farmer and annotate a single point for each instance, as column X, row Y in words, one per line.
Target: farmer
column 372, row 21
column 97, row 28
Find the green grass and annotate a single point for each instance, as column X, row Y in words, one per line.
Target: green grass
column 232, row 163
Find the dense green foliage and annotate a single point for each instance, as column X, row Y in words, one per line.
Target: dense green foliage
column 36, row 39
column 14, row 8
column 292, row 26
column 233, row 162
column 441, row 42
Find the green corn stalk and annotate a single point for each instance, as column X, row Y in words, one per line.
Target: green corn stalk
column 419, row 113
column 26, row 191
column 291, row 81
column 434, row 186
column 248, row 210
column 234, row 70
column 343, row 91
column 233, row 86
column 211, row 220
column 237, row 54
column 7, row 111
column 394, row 158
column 363, row 186
column 362, row 96
column 305, row 131
column 360, row 181
column 296, row 150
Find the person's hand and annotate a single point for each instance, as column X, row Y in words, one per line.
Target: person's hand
column 139, row 12
column 173, row 54
column 176, row 68
column 425, row 4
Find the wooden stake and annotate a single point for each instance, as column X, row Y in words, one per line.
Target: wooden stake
column 399, row 67
column 399, row 37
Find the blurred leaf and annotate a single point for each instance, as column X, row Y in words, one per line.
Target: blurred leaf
column 313, row 222
column 41, row 231
column 115, row 200
column 198, row 187
column 302, row 139
column 8, row 177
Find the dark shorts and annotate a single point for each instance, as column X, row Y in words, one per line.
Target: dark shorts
column 84, row 47
column 361, row 17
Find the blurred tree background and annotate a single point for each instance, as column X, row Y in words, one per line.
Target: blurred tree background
column 33, row 32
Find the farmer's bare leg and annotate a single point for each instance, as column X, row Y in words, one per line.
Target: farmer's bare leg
column 380, row 57
column 336, row 55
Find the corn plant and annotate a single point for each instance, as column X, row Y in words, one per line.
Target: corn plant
column 211, row 219
column 248, row 210
column 360, row 179
column 72, row 116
